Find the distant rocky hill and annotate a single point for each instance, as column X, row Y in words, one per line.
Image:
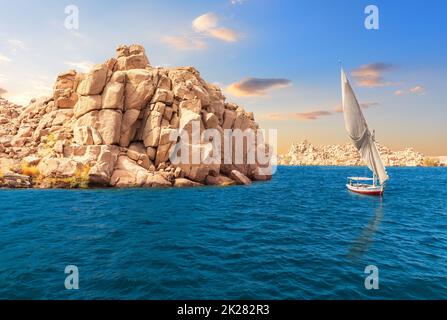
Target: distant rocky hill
column 307, row 154
column 112, row 125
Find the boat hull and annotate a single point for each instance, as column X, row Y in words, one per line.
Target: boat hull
column 366, row 189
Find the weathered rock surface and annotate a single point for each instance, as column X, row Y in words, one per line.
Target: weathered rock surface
column 14, row 180
column 113, row 126
column 183, row 182
column 307, row 154
column 240, row 178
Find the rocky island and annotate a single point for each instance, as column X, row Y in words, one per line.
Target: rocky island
column 307, row 154
column 110, row 127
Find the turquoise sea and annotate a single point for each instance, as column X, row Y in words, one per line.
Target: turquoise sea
column 300, row 236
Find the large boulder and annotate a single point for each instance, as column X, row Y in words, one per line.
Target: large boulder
column 128, row 173
column 219, row 180
column 14, row 180
column 183, row 183
column 152, row 128
column 65, row 95
column 140, row 87
column 86, row 104
column 128, row 126
column 199, row 163
column 240, row 178
column 100, row 174
column 59, row 167
column 157, row 180
column 93, row 82
column 165, row 144
column 109, row 125
column 131, row 57
column 113, row 94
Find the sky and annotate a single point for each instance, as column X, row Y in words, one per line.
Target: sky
column 279, row 59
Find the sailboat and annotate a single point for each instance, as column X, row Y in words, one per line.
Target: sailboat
column 364, row 142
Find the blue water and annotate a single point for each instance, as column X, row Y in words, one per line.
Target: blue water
column 300, row 236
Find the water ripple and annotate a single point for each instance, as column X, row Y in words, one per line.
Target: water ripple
column 300, row 236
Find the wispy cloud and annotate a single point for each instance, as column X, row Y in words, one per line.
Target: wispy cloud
column 300, row 116
column 416, row 90
column 83, row 66
column 372, row 75
column 184, row 42
column 273, row 116
column 4, row 59
column 78, row 34
column 419, row 90
column 16, row 45
column 236, row 2
column 311, row 115
column 224, row 34
column 363, row 105
column 256, row 86
column 208, row 24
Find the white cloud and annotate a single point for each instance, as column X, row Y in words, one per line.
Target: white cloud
column 184, row 42
column 4, row 59
column 236, row 2
column 83, row 66
column 205, row 22
column 208, row 24
column 419, row 90
column 204, row 26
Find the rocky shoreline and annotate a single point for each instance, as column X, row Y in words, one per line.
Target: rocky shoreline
column 111, row 127
column 307, row 154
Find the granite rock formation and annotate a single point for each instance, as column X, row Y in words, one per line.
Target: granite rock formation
column 112, row 126
column 307, row 154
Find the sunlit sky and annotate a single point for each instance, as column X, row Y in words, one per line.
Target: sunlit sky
column 278, row 59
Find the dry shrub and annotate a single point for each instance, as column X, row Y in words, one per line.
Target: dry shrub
column 30, row 171
column 430, row 162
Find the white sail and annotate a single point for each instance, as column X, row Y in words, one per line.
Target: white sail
column 359, row 133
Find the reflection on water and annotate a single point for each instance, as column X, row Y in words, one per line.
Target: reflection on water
column 361, row 244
